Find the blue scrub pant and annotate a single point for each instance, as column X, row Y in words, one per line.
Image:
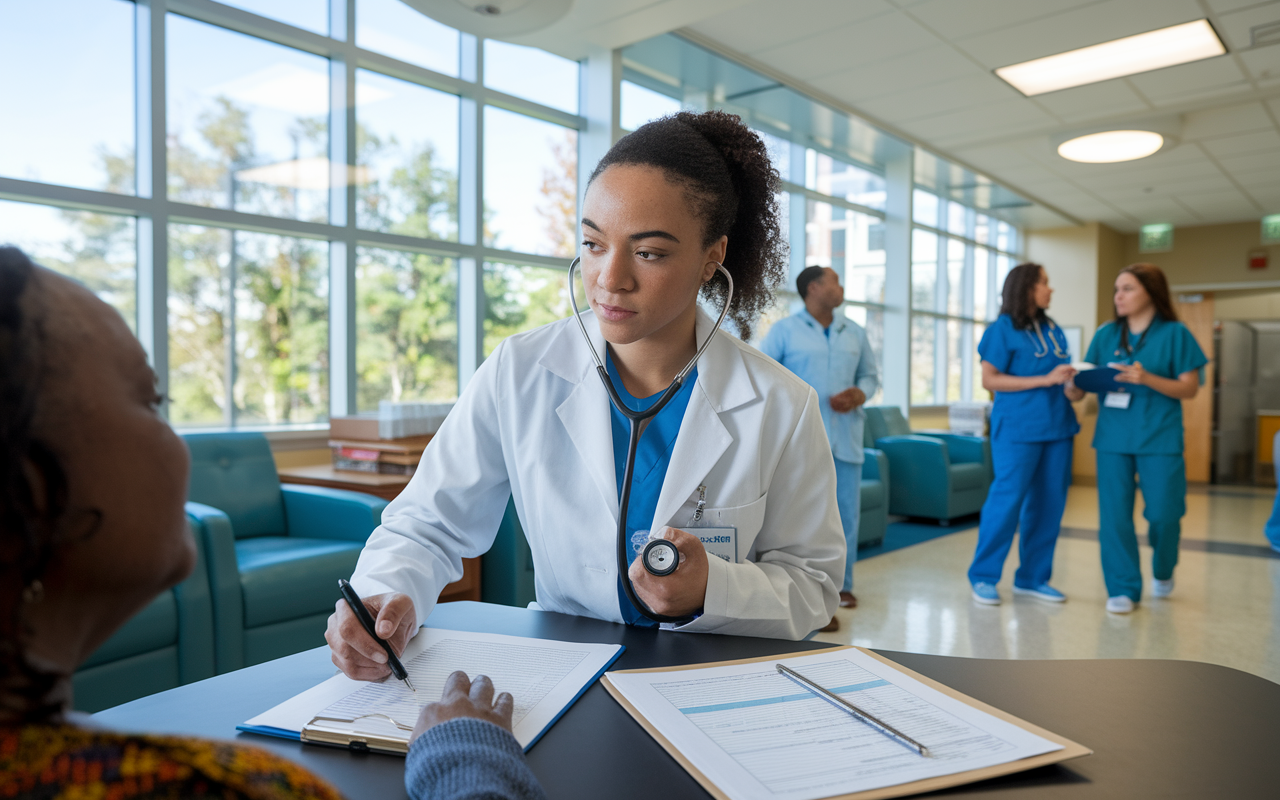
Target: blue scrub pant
column 1029, row 493
column 1272, row 528
column 849, row 499
column 1164, row 493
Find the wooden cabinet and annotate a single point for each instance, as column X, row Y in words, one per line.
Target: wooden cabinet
column 386, row 487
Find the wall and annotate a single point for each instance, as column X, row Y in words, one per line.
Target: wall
column 1070, row 256
column 1247, row 305
column 1211, row 255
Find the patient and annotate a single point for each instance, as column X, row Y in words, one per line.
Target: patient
column 92, row 482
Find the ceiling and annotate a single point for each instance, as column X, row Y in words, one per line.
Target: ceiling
column 924, row 69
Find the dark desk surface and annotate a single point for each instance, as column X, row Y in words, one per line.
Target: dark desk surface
column 1158, row 729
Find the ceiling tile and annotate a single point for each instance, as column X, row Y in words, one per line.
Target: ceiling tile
column 1241, row 166
column 1225, row 121
column 1158, row 209
column 861, row 43
column 767, row 24
column 1219, row 206
column 1232, row 5
column 957, row 18
column 1234, row 27
column 1090, row 102
column 1079, row 27
column 1218, row 74
column 1245, row 143
column 1263, row 64
column 930, row 101
column 891, row 75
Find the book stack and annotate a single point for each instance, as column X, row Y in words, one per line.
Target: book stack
column 387, row 443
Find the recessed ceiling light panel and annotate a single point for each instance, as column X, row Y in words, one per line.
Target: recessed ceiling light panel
column 1179, row 44
column 1109, row 147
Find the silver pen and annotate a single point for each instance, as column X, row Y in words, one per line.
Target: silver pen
column 849, row 708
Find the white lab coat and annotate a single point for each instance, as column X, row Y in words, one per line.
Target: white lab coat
column 535, row 422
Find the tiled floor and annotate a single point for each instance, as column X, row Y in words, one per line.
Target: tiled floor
column 1225, row 610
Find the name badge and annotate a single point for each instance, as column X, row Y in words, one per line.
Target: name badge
column 722, row 542
column 1117, row 400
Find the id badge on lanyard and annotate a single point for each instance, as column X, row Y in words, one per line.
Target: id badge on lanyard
column 1117, row 399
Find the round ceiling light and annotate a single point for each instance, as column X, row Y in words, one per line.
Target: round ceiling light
column 1109, row 147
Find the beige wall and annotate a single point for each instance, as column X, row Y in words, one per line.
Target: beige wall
column 1082, row 262
column 1211, row 255
column 1250, row 304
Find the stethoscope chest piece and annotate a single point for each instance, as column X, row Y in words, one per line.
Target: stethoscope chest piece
column 660, row 557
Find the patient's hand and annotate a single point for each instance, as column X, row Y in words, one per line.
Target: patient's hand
column 466, row 698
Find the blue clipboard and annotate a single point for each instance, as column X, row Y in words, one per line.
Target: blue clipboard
column 1099, row 379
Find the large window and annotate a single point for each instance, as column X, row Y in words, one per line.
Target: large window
column 300, row 250
column 960, row 257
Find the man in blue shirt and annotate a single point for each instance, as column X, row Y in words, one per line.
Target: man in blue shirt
column 832, row 355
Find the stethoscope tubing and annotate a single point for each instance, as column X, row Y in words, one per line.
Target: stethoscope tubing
column 1044, row 346
column 636, row 418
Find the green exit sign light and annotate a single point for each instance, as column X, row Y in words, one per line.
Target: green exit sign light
column 1271, row 229
column 1155, row 238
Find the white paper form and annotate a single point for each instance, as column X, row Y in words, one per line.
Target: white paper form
column 757, row 735
column 543, row 676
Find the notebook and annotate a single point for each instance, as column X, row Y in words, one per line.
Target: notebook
column 544, row 676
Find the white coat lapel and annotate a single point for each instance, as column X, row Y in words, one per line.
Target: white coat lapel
column 585, row 412
column 723, row 384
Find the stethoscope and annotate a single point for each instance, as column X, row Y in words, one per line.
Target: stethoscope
column 659, row 557
column 1042, row 349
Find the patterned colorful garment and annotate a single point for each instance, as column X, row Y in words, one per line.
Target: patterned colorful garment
column 65, row 762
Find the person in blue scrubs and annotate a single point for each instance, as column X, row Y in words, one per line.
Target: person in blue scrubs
column 1272, row 528
column 1026, row 363
column 832, row 355
column 1140, row 432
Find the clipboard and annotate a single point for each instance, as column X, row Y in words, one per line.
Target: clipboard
column 1099, row 379
column 1070, row 749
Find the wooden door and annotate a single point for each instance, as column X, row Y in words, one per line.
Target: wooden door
column 1196, row 312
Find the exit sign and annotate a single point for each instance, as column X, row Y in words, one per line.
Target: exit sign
column 1271, row 229
column 1155, row 238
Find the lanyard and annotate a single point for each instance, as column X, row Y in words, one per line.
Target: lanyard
column 1124, row 339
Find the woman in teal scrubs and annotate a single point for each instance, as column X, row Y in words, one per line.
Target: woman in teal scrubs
column 1140, row 431
column 1025, row 361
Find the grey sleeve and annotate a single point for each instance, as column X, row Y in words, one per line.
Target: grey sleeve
column 469, row 759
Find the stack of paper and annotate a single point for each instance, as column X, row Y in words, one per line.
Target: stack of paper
column 545, row 677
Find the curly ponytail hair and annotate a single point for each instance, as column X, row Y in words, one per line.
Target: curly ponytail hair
column 32, row 506
column 732, row 186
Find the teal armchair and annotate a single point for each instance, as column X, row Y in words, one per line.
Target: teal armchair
column 167, row 644
column 937, row 475
column 873, row 519
column 275, row 552
column 506, row 575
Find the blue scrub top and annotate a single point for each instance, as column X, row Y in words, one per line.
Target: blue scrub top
column 1033, row 415
column 1152, row 424
column 830, row 360
column 653, row 456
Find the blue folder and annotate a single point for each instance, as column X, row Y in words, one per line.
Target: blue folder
column 1099, row 379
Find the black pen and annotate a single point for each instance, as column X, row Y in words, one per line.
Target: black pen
column 362, row 614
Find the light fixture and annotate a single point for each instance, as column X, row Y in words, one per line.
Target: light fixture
column 1109, row 147
column 1179, row 44
column 493, row 18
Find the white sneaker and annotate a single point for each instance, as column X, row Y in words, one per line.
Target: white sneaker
column 1161, row 588
column 1120, row 604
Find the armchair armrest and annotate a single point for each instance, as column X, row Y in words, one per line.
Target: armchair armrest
column 875, row 466
column 316, row 512
column 921, row 470
column 962, row 448
column 213, row 529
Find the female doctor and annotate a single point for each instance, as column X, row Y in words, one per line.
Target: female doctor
column 1025, row 361
column 740, row 451
column 1140, row 432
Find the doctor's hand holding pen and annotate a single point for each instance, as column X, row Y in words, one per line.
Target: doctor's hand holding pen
column 680, row 593
column 354, row 651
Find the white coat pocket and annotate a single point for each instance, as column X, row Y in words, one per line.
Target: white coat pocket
column 745, row 521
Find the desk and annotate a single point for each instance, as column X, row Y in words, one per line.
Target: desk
column 387, row 487
column 1158, row 728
